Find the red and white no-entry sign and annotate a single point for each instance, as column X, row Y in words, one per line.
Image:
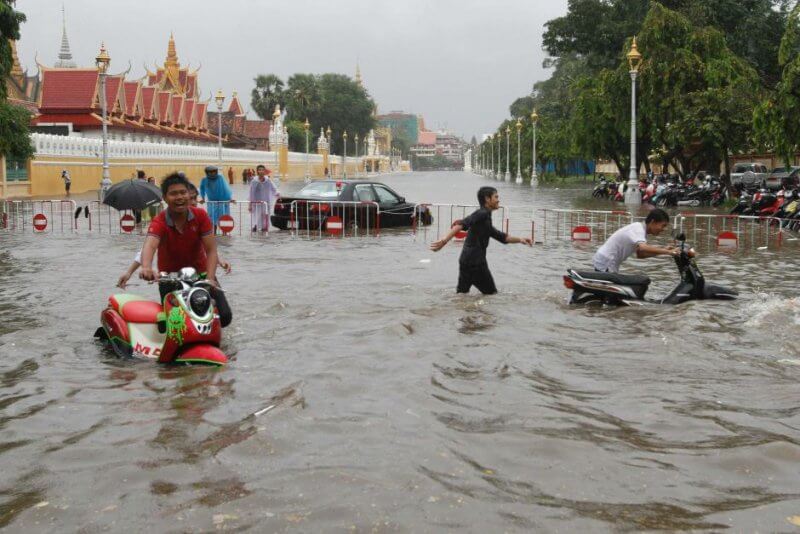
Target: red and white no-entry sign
column 127, row 223
column 226, row 224
column 581, row 233
column 40, row 222
column 334, row 225
column 727, row 240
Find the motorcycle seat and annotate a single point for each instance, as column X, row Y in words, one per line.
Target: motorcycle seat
column 616, row 278
column 135, row 309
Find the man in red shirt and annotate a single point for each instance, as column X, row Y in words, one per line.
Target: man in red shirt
column 184, row 237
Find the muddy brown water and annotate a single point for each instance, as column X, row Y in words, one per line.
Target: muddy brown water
column 387, row 403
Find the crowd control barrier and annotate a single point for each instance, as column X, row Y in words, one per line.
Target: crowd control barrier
column 747, row 231
column 318, row 218
column 40, row 216
column 241, row 217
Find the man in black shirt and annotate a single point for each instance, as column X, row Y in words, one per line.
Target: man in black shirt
column 472, row 267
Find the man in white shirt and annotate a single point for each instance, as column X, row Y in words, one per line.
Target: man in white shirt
column 632, row 239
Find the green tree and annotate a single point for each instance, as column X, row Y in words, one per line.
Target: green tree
column 302, row 97
column 14, row 121
column 268, row 92
column 775, row 119
column 346, row 106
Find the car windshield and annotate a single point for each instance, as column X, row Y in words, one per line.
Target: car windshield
column 319, row 189
column 741, row 168
column 779, row 169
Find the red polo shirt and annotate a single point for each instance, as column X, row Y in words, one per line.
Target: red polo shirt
column 177, row 250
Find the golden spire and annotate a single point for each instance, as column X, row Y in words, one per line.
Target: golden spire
column 16, row 68
column 172, row 55
column 358, row 75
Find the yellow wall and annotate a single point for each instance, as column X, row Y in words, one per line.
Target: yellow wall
column 86, row 173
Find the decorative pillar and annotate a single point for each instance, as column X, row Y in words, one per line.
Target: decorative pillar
column 323, row 150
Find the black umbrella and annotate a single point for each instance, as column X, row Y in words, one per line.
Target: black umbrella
column 133, row 194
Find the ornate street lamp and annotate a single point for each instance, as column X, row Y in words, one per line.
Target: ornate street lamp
column 306, row 126
column 358, row 166
column 534, row 121
column 519, row 168
column 344, row 156
column 366, row 146
column 632, row 195
column 330, row 151
column 103, row 60
column 491, row 155
column 498, row 175
column 220, row 100
column 508, row 153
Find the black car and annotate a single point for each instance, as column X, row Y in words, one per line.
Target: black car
column 347, row 204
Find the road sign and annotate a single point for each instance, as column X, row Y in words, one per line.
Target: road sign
column 40, row 222
column 581, row 233
column 334, row 225
column 127, row 223
column 226, row 224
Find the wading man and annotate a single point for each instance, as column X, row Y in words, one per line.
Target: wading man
column 632, row 239
column 184, row 237
column 473, row 270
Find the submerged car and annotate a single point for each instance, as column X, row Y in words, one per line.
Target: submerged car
column 347, row 204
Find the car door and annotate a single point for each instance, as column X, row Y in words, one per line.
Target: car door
column 366, row 215
column 395, row 211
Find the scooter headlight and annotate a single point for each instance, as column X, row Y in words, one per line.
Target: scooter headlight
column 199, row 302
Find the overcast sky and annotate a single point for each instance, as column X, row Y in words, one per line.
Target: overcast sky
column 460, row 63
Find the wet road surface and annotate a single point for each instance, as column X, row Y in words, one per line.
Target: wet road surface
column 387, row 403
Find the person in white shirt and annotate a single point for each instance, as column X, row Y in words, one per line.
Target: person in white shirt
column 632, row 239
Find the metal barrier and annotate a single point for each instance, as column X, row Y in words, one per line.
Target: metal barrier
column 337, row 217
column 255, row 216
column 750, row 230
column 42, row 216
column 444, row 215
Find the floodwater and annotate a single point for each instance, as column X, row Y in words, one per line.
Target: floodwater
column 387, row 403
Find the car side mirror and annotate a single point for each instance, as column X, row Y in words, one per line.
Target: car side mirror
column 402, row 199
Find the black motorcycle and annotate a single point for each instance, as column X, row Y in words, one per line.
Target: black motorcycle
column 613, row 289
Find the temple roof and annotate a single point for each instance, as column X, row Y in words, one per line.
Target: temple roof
column 256, row 129
column 68, row 89
column 236, row 106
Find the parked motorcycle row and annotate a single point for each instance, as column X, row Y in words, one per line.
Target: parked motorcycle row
column 783, row 204
column 667, row 191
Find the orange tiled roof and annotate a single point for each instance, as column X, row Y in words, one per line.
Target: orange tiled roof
column 164, row 106
column 256, row 129
column 68, row 90
column 133, row 99
column 236, row 106
column 177, row 107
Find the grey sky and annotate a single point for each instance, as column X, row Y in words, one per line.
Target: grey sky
column 459, row 63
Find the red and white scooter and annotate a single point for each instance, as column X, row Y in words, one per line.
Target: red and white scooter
column 184, row 329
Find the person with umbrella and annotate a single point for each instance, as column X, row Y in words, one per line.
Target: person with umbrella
column 132, row 194
column 218, row 193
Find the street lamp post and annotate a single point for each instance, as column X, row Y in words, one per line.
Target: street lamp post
column 344, row 156
column 508, row 153
column 534, row 121
column 330, row 151
column 103, row 60
column 499, row 174
column 220, row 100
column 491, row 155
column 358, row 166
column 366, row 146
column 519, row 164
column 307, row 178
column 632, row 195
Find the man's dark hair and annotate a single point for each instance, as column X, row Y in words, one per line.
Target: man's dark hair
column 657, row 215
column 261, row 167
column 140, row 174
column 485, row 192
column 174, row 179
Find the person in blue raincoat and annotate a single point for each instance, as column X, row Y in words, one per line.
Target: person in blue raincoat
column 215, row 188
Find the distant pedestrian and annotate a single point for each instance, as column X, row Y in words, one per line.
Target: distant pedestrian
column 262, row 194
column 473, row 270
column 153, row 209
column 218, row 193
column 67, row 180
column 140, row 175
column 230, row 175
column 245, row 174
